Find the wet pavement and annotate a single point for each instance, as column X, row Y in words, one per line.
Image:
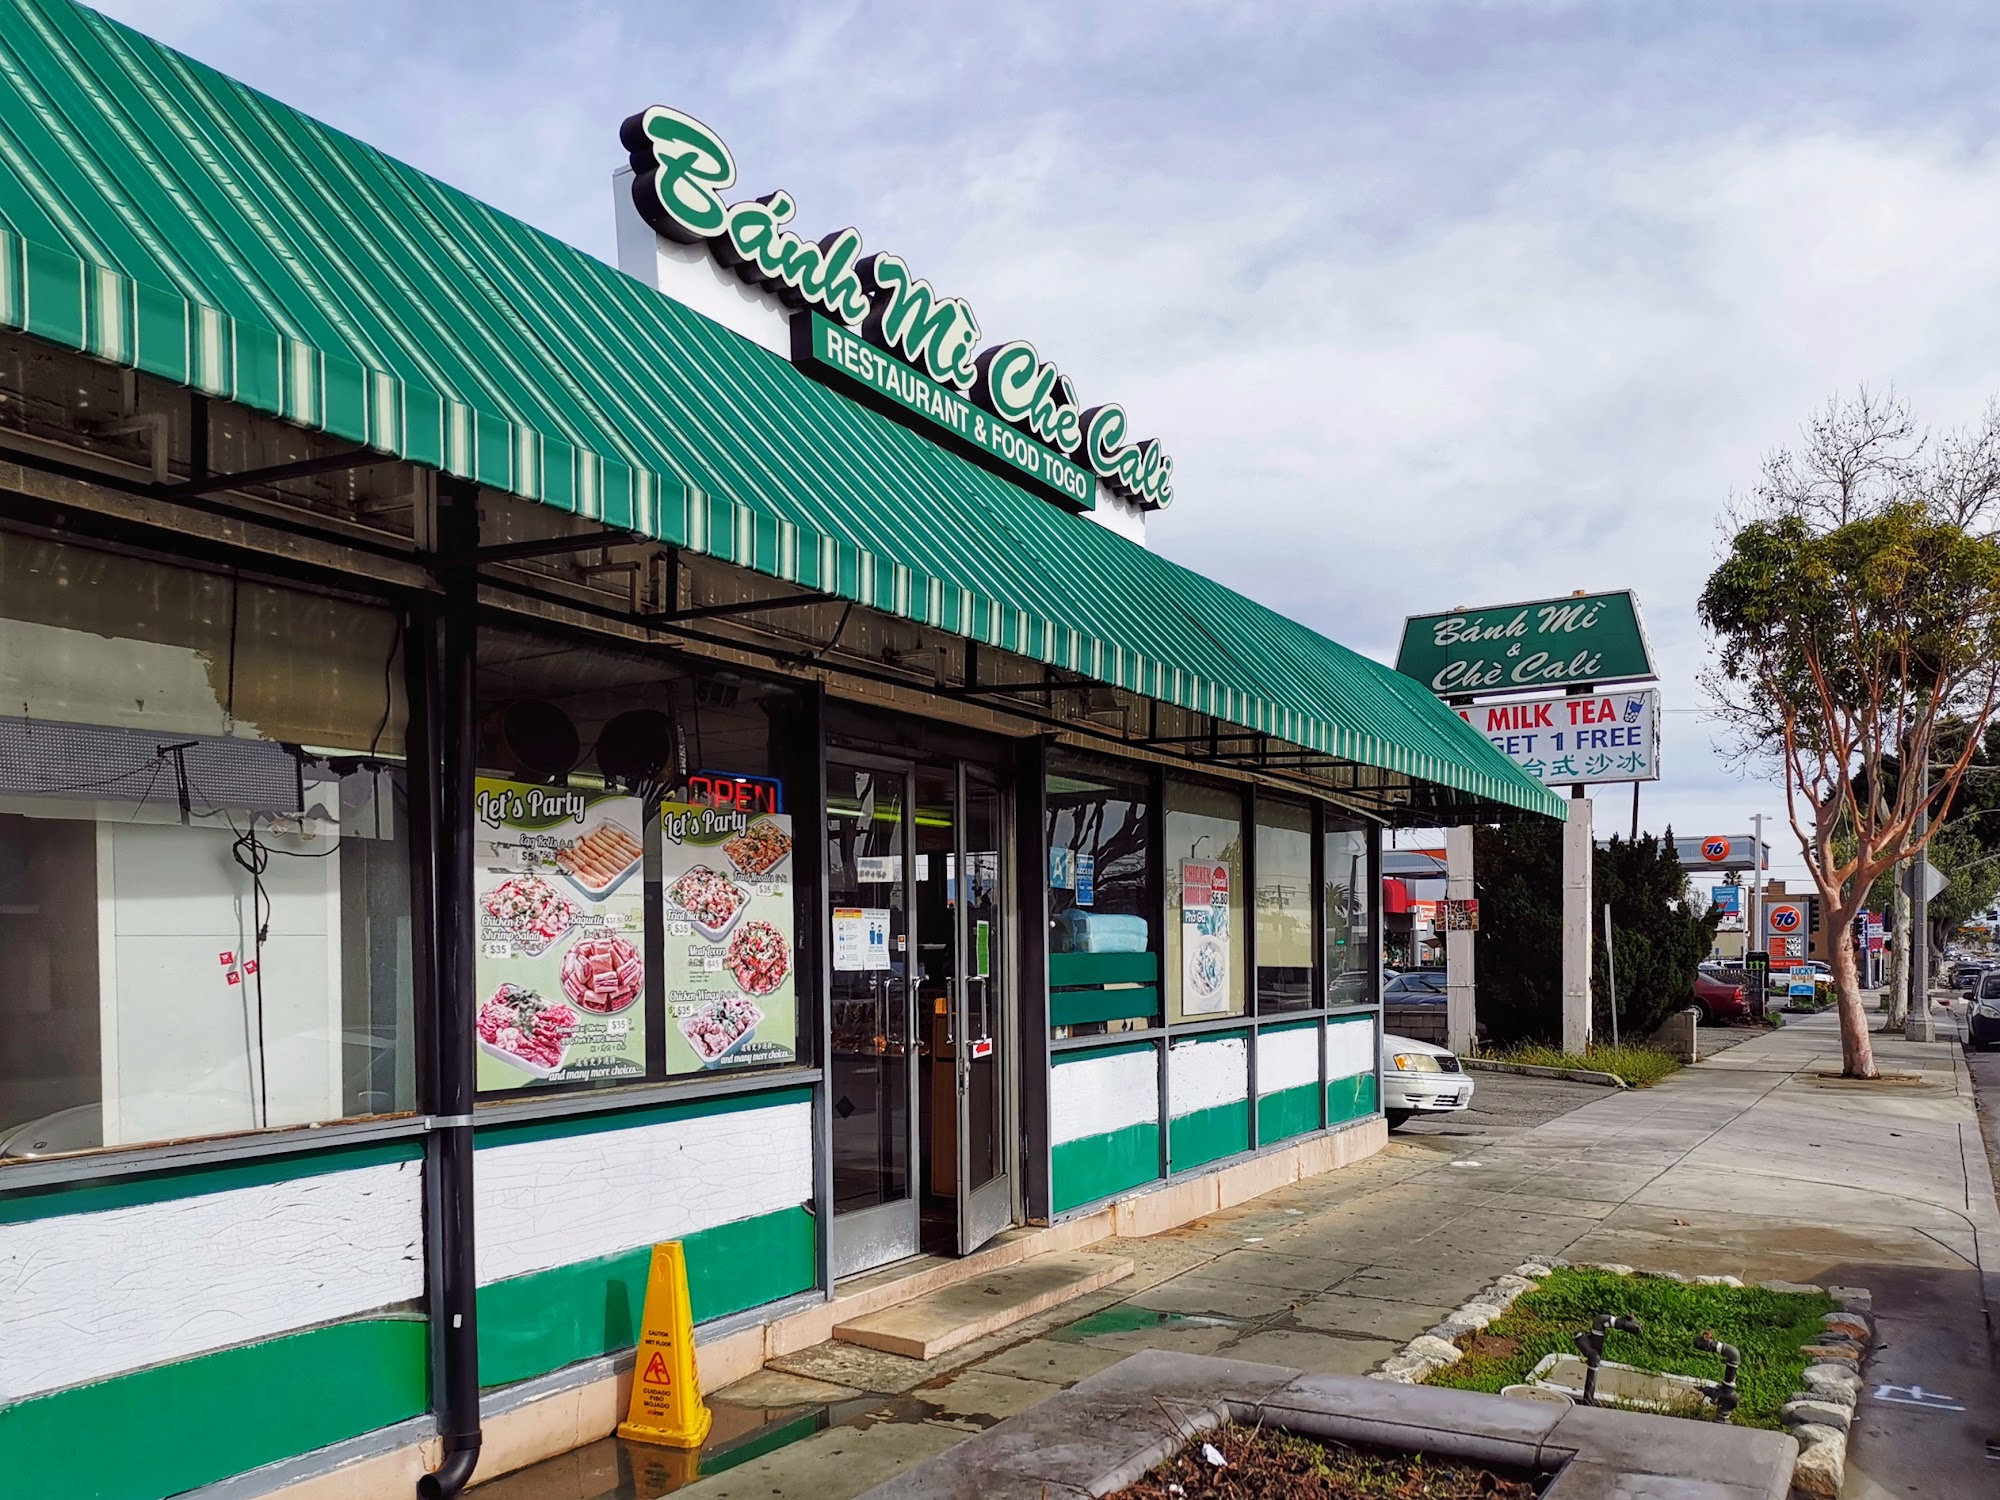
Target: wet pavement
column 1756, row 1163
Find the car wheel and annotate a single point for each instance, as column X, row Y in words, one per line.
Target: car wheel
column 1702, row 1013
column 1398, row 1118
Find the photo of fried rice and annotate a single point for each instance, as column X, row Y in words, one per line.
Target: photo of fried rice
column 720, row 1026
column 521, row 1027
column 759, row 848
column 603, row 974
column 711, row 901
column 601, row 858
column 759, row 958
column 534, row 912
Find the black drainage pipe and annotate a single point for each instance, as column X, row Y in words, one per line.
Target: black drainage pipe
column 448, row 1156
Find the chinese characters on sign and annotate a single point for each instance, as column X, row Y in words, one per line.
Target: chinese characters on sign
column 1563, row 741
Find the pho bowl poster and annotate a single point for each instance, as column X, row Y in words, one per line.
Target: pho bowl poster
column 561, row 909
column 1204, row 939
column 730, row 957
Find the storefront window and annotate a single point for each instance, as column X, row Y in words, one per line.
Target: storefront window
column 1351, row 966
column 1284, row 907
column 1204, row 873
column 634, row 874
column 204, row 858
column 1104, row 965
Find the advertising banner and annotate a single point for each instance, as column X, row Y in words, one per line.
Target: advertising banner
column 1565, row 741
column 731, row 985
column 1204, row 939
column 562, row 919
column 1544, row 643
column 1728, row 899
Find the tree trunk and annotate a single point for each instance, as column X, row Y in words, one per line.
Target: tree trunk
column 1899, row 980
column 1857, row 1052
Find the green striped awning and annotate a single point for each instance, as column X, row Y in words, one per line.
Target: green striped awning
column 159, row 215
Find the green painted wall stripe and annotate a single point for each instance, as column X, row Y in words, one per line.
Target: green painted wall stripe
column 169, row 1183
column 1350, row 1098
column 1103, row 968
column 160, row 1431
column 1099, row 1165
column 529, row 1325
column 1207, row 1134
column 628, row 1119
column 1287, row 1113
column 1079, row 1007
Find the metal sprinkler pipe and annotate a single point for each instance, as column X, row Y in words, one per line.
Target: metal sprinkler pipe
column 1725, row 1396
column 1591, row 1345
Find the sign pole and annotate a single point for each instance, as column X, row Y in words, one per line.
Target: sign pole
column 1610, row 974
column 1577, row 850
column 1919, row 1024
column 1460, row 996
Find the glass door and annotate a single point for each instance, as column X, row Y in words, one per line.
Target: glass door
column 981, row 1026
column 874, row 1056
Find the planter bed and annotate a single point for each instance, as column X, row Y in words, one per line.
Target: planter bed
column 1263, row 1461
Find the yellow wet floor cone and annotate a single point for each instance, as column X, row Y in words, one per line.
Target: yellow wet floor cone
column 666, row 1392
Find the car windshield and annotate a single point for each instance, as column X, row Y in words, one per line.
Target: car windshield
column 1989, row 985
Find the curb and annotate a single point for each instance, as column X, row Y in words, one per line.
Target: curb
column 1536, row 1070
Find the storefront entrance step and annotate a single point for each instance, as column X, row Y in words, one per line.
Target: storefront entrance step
column 928, row 1326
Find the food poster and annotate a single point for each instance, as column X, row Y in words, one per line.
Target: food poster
column 1204, row 939
column 732, row 993
column 562, row 917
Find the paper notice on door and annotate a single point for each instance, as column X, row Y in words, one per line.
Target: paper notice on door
column 878, row 869
column 860, row 938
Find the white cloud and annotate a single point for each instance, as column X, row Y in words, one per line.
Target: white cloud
column 1433, row 305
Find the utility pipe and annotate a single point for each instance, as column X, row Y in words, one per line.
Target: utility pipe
column 448, row 1151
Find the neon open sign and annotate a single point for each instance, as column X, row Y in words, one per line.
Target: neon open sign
column 751, row 794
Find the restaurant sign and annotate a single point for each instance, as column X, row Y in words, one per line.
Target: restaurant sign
column 1029, row 425
column 1565, row 740
column 1545, row 643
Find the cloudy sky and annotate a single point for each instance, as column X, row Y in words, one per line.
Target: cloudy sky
column 1433, row 303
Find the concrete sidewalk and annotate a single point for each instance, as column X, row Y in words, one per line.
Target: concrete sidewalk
column 1755, row 1163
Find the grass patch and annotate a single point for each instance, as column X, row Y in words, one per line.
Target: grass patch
column 1768, row 1327
column 1638, row 1066
column 1260, row 1462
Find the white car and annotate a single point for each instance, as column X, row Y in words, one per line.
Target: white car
column 1420, row 1078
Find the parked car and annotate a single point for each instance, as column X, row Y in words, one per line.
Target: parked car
column 1965, row 974
column 1416, row 987
column 1982, row 1016
column 1419, row 1078
column 1718, row 996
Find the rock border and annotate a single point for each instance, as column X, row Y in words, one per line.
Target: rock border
column 1818, row 1417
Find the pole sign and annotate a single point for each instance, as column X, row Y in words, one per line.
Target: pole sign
column 1545, row 643
column 865, row 323
column 1728, row 899
column 1564, row 741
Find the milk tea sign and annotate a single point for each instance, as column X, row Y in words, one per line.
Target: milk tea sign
column 1547, row 643
column 1563, row 741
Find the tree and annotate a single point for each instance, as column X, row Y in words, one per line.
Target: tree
column 1855, row 625
column 1517, row 952
column 1661, row 935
